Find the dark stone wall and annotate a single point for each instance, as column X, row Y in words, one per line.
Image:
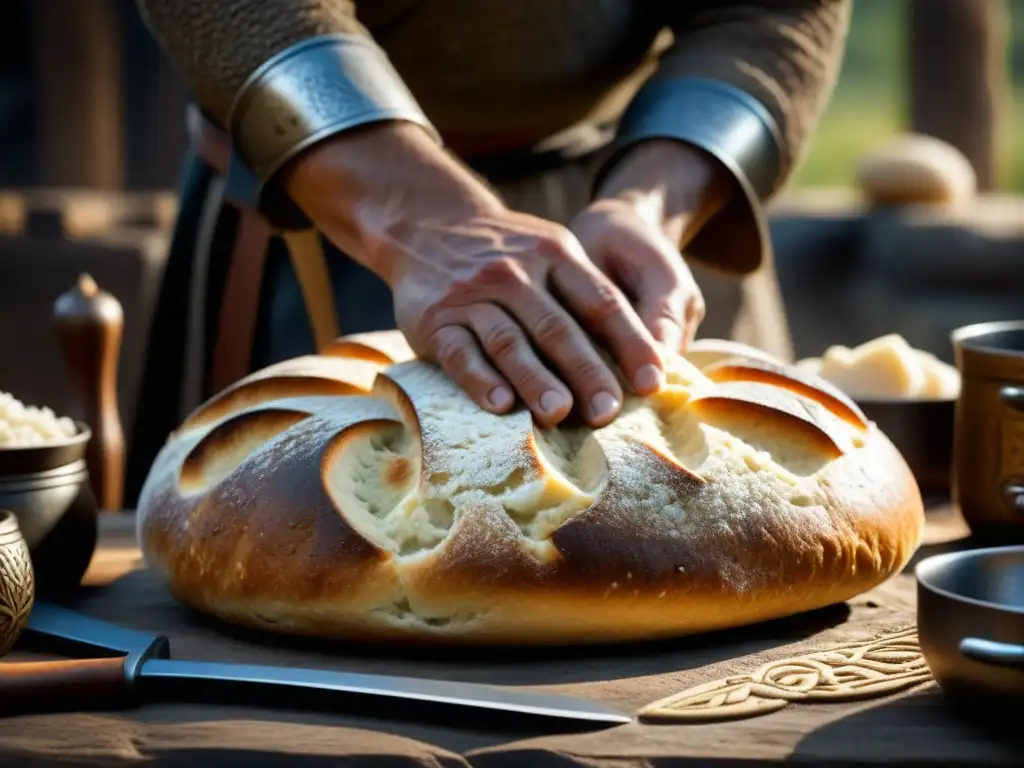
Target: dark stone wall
column 850, row 274
column 153, row 96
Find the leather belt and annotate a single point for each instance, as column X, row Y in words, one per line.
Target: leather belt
column 239, row 303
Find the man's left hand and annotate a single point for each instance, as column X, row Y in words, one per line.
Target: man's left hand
column 646, row 266
column 652, row 202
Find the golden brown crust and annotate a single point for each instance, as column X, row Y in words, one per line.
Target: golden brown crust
column 406, row 513
column 382, row 347
column 793, row 379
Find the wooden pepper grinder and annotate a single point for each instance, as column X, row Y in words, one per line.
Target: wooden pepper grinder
column 89, row 324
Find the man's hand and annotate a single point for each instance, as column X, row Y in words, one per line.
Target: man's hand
column 506, row 303
column 637, row 255
column 653, row 202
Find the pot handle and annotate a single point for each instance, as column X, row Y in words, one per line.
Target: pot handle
column 991, row 652
column 1013, row 396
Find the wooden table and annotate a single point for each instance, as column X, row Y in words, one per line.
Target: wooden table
column 914, row 727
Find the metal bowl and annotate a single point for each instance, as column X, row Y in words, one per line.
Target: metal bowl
column 921, row 430
column 17, row 586
column 47, row 488
column 23, row 460
column 970, row 617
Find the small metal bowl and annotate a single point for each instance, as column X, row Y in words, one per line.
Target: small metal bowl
column 17, row 584
column 970, row 618
column 29, row 459
column 47, row 488
column 922, row 431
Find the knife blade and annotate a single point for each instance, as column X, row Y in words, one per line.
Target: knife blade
column 73, row 632
column 145, row 670
column 289, row 680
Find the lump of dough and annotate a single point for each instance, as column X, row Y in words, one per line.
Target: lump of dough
column 915, row 168
column 884, row 368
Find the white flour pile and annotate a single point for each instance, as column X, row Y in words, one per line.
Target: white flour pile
column 22, row 425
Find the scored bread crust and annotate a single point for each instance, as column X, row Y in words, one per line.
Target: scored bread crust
column 359, row 494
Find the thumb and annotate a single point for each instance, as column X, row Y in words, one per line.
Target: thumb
column 672, row 305
column 661, row 307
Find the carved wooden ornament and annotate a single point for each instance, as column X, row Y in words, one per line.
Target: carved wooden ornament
column 853, row 672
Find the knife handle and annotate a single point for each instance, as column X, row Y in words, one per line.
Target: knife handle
column 35, row 681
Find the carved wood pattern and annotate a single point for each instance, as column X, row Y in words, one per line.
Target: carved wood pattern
column 17, row 582
column 848, row 673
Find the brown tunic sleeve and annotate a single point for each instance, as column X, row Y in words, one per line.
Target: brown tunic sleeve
column 217, row 44
column 746, row 82
column 784, row 53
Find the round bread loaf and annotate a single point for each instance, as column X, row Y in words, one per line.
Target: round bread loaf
column 359, row 494
column 915, row 168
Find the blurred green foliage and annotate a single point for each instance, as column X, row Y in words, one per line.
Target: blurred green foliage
column 869, row 103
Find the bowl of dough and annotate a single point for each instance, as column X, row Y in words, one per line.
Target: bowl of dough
column 44, row 481
column 358, row 494
column 909, row 393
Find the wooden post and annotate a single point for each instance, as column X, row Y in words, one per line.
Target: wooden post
column 156, row 139
column 959, row 86
column 80, row 110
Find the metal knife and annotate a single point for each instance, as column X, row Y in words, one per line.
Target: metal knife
column 143, row 669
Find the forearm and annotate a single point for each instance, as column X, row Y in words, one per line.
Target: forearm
column 673, row 186
column 368, row 190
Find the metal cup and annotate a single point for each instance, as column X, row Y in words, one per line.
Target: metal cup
column 17, row 581
column 988, row 444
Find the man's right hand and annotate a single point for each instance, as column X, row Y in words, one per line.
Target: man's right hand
column 507, row 304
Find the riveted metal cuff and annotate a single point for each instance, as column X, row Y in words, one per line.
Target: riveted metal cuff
column 311, row 91
column 737, row 130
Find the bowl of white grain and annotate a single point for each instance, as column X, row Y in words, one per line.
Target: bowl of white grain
column 35, row 439
column 44, row 481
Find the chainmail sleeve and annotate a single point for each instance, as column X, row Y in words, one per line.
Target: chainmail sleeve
column 280, row 75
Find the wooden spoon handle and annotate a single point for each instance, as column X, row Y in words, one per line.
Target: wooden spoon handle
column 33, row 681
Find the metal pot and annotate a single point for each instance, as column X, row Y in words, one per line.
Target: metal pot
column 988, row 451
column 970, row 621
column 922, row 431
column 47, row 488
column 30, row 459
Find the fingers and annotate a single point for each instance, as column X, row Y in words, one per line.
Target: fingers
column 480, row 338
column 456, row 351
column 484, row 349
column 509, row 348
column 652, row 273
column 694, row 315
column 671, row 305
column 565, row 344
column 603, row 309
column 519, row 326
